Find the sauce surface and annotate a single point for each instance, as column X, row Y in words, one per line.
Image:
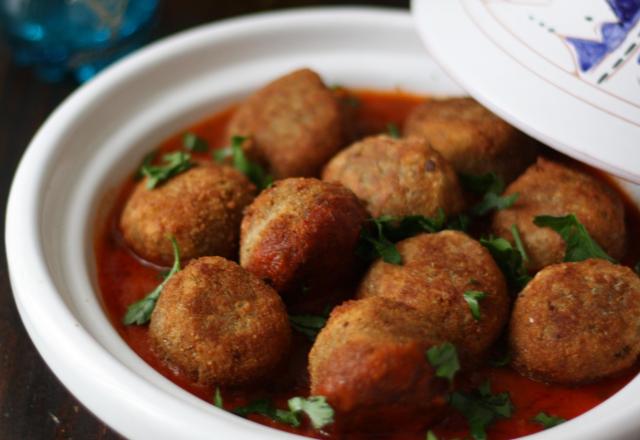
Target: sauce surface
column 124, row 278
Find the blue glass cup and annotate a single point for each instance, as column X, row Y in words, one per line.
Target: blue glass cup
column 77, row 36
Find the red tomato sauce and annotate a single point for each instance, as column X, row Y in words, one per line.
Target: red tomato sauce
column 124, row 278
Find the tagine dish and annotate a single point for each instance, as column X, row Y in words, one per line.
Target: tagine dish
column 353, row 264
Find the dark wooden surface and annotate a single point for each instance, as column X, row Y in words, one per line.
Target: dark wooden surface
column 33, row 403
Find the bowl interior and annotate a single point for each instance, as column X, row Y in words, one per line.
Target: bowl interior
column 96, row 139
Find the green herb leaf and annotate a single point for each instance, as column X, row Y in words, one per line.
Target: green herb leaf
column 637, row 268
column 493, row 201
column 316, row 408
column 146, row 162
column 548, row 421
column 431, row 435
column 252, row 170
column 501, row 361
column 509, row 260
column 460, row 222
column 195, row 143
column 580, row 246
column 482, row 184
column 490, row 187
column 266, row 408
column 217, row 399
column 287, row 417
column 372, row 245
column 481, row 408
column 388, row 252
column 389, row 230
column 172, row 165
column 308, row 325
column 139, row 312
column 397, row 229
column 393, row 131
column 444, row 358
column 472, row 297
column 519, row 245
column 221, row 154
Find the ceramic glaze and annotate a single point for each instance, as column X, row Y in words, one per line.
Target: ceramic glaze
column 565, row 71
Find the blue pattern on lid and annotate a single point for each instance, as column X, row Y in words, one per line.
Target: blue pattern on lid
column 625, row 10
column 591, row 52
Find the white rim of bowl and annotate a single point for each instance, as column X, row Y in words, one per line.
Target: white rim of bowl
column 51, row 325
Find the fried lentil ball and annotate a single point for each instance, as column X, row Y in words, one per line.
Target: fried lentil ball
column 577, row 322
column 437, row 270
column 295, row 122
column 201, row 207
column 549, row 188
column 471, row 138
column 369, row 362
column 220, row 324
column 302, row 233
column 397, row 177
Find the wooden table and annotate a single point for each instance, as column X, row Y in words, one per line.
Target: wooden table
column 33, row 403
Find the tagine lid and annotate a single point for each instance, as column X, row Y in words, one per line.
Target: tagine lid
column 566, row 72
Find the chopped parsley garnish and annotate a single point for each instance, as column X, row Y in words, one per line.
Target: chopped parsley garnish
column 252, row 170
column 444, row 358
column 459, row 222
column 308, row 325
column 267, row 408
column 404, row 227
column 345, row 96
column 492, row 201
column 217, row 399
column 195, row 143
column 580, row 246
column 139, row 312
column 519, row 245
column 431, row 435
column 316, row 408
column 490, row 187
column 393, row 131
column 481, row 408
column 375, row 244
column 509, row 259
column 501, row 361
column 389, row 230
column 547, row 421
column 472, row 297
column 172, row 165
column 482, row 184
column 146, row 162
column 637, row 268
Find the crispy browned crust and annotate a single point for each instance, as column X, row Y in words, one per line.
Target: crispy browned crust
column 369, row 361
column 437, row 269
column 296, row 124
column 471, row 138
column 302, row 233
column 202, row 208
column 577, row 322
column 220, row 324
column 548, row 188
column 397, row 177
